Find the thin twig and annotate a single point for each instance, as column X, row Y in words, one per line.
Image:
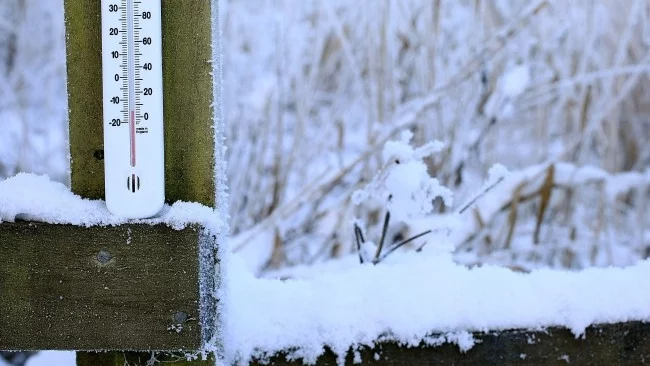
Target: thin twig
column 363, row 239
column 401, row 244
column 478, row 196
column 419, row 249
column 383, row 236
column 359, row 238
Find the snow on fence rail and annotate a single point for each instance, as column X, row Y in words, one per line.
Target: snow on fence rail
column 405, row 307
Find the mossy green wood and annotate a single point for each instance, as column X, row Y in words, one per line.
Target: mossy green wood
column 187, row 78
column 121, row 287
column 188, row 96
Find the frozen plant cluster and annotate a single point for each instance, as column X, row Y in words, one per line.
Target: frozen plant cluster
column 404, row 186
column 407, row 193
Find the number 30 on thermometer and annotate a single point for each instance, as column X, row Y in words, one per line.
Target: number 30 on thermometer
column 133, row 107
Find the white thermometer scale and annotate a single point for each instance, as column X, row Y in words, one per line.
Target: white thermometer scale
column 133, row 107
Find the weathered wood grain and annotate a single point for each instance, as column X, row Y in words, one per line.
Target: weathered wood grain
column 84, row 83
column 612, row 344
column 188, row 96
column 187, row 80
column 126, row 287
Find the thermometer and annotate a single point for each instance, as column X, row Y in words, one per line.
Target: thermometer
column 133, row 107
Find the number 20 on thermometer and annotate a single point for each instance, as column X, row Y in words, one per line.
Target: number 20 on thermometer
column 133, row 107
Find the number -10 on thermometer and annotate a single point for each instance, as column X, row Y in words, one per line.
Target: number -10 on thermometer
column 133, row 107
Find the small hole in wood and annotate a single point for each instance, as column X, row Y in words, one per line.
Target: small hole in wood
column 99, row 154
column 180, row 317
column 104, row 257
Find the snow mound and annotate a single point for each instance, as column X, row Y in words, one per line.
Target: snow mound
column 38, row 198
column 418, row 296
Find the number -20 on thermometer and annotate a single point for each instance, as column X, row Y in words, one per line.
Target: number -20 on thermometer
column 133, row 107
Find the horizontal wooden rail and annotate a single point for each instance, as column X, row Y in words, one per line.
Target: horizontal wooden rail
column 608, row 344
column 136, row 287
column 129, row 287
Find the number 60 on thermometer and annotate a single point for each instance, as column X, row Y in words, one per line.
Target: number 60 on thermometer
column 133, row 107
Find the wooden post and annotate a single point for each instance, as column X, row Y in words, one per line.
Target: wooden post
column 188, row 98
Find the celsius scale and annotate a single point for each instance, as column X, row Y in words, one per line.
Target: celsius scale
column 133, row 107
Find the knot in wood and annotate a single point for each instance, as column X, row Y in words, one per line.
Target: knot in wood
column 104, row 257
column 180, row 317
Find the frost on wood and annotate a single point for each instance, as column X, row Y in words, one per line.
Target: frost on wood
column 219, row 253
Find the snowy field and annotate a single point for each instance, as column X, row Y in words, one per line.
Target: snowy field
column 509, row 137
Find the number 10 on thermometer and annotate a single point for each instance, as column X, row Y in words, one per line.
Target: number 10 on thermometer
column 133, row 107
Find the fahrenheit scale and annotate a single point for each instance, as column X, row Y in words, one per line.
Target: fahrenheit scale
column 133, row 107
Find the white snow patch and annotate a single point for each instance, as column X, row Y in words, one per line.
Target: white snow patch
column 53, row 358
column 513, row 83
column 565, row 358
column 404, row 184
column 414, row 297
column 516, row 80
column 33, row 197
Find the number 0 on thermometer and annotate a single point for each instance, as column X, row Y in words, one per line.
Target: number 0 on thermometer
column 133, row 107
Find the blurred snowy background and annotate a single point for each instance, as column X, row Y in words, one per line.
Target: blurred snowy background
column 556, row 91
